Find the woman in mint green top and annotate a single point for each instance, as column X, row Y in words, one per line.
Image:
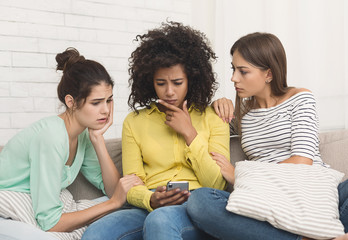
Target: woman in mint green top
column 46, row 157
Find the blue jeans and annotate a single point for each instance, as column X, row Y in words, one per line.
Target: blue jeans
column 206, row 207
column 168, row 223
column 343, row 204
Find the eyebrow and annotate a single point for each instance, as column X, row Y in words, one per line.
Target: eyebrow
column 100, row 99
column 239, row 67
column 177, row 79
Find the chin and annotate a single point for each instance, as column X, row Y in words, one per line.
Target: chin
column 98, row 127
column 241, row 95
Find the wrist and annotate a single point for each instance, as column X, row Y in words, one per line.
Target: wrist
column 97, row 139
column 114, row 204
column 190, row 136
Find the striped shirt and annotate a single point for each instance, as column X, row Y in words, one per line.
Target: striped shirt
column 278, row 133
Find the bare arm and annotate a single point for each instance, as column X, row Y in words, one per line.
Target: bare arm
column 109, row 172
column 71, row 221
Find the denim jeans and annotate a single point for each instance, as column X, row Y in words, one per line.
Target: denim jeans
column 206, row 207
column 343, row 204
column 168, row 223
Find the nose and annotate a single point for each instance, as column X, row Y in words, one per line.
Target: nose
column 234, row 78
column 170, row 90
column 106, row 108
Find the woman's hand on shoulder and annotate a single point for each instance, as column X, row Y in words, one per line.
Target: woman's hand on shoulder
column 224, row 109
column 94, row 134
column 226, row 168
column 125, row 183
column 161, row 197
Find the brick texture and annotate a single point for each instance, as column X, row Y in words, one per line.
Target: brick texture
column 33, row 32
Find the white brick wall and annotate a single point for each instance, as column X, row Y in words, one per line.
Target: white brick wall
column 34, row 31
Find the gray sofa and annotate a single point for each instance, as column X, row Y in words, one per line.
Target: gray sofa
column 333, row 149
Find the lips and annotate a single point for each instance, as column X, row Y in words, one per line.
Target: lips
column 172, row 102
column 102, row 120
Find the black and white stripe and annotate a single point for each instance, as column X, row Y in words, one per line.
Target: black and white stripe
column 298, row 198
column 288, row 129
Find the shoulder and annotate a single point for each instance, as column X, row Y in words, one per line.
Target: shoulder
column 133, row 116
column 49, row 131
column 211, row 117
column 294, row 91
column 298, row 95
column 134, row 119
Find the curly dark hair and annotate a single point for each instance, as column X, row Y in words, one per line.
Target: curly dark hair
column 171, row 44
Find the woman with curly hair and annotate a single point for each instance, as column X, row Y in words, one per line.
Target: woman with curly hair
column 171, row 138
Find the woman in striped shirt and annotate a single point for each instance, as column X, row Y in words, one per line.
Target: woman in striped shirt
column 277, row 124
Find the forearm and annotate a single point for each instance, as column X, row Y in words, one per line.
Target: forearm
column 74, row 220
column 109, row 172
column 298, row 160
column 205, row 168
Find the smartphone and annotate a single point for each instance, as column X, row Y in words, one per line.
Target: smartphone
column 183, row 185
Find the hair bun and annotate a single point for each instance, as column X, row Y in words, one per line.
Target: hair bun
column 67, row 58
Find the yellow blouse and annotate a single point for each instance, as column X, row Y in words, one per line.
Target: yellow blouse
column 157, row 154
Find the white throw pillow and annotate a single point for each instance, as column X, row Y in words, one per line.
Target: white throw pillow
column 298, row 198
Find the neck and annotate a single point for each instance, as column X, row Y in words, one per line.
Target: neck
column 73, row 128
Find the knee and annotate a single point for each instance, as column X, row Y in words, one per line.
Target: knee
column 158, row 218
column 198, row 202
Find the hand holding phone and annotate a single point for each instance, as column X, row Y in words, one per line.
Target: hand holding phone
column 170, row 195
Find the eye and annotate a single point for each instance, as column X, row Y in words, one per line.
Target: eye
column 159, row 84
column 95, row 103
column 177, row 83
column 109, row 100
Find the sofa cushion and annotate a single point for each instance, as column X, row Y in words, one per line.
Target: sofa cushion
column 334, row 150
column 81, row 188
column 299, row 198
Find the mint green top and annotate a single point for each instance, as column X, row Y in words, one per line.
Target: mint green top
column 34, row 160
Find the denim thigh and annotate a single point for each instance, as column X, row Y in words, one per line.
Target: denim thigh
column 343, row 203
column 171, row 222
column 124, row 224
column 207, row 209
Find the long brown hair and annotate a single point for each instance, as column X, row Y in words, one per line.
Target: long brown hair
column 264, row 51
